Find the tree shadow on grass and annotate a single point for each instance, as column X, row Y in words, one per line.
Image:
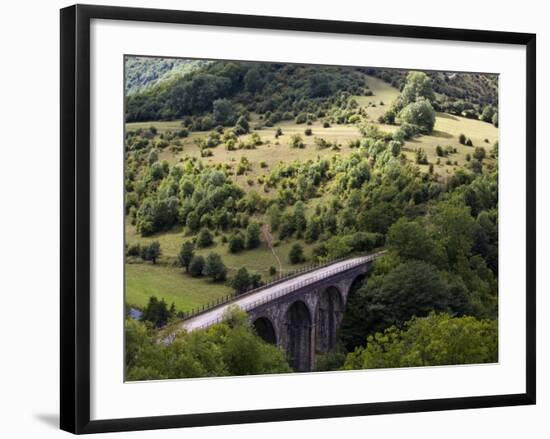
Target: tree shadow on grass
column 447, row 116
column 441, row 134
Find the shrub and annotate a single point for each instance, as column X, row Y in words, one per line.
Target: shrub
column 186, row 254
column 205, row 238
column 296, row 254
column 196, row 266
column 479, row 153
column 236, row 242
column 326, row 124
column 476, row 166
column 215, row 268
column 241, row 281
column 308, row 132
column 255, row 139
column 133, row 250
column 407, row 131
column 395, row 147
column 241, row 126
column 296, row 141
column 151, row 252
column 157, row 312
column 388, row 117
column 184, row 132
column 301, row 118
column 469, row 142
column 462, row 139
column 421, row 157
column 230, row 145
column 252, row 236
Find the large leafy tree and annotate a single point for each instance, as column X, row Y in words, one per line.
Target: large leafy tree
column 419, row 113
column 411, row 240
column 454, row 229
column 438, row 339
column 418, row 85
column 186, row 253
column 226, row 349
column 412, row 288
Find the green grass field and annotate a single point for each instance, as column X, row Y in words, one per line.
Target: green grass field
column 165, row 280
column 169, row 282
column 257, row 260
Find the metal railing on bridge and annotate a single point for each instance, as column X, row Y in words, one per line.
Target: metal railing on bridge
column 286, row 290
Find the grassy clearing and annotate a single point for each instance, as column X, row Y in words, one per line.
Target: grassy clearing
column 171, row 284
column 164, row 280
column 446, row 131
column 383, row 92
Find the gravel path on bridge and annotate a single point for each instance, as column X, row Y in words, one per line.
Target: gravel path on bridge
column 286, row 287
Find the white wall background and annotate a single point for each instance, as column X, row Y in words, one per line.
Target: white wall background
column 29, row 249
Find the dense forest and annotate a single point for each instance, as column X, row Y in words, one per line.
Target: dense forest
column 142, row 73
column 235, row 162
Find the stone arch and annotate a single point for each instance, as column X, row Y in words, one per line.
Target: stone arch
column 298, row 323
column 330, row 309
column 265, row 329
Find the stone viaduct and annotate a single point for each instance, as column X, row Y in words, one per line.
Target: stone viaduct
column 301, row 314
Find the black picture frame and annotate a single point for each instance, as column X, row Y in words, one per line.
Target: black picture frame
column 75, row 217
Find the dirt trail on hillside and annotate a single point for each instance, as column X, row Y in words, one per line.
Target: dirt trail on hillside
column 268, row 237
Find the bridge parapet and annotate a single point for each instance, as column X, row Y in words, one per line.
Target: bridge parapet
column 253, row 299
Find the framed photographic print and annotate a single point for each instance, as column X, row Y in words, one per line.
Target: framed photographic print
column 268, row 218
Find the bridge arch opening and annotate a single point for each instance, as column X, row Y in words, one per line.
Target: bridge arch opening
column 298, row 325
column 353, row 303
column 357, row 282
column 330, row 310
column 264, row 328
